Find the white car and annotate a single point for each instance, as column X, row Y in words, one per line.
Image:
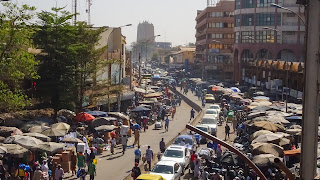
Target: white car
column 212, row 112
column 211, row 122
column 170, row 170
column 215, row 107
column 179, row 154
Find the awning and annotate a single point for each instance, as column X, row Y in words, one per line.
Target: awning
column 292, row 152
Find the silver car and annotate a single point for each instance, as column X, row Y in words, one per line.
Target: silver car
column 179, row 154
column 170, row 170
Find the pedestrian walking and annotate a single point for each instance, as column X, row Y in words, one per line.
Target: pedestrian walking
column 191, row 114
column 166, row 125
column 37, row 174
column 197, row 164
column 73, row 162
column 45, row 170
column 113, row 143
column 137, row 155
column 124, row 142
column 136, row 137
column 227, row 131
column 92, row 170
column 149, row 156
column 162, row 146
column 59, row 173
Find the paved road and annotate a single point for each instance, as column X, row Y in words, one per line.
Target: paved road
column 115, row 167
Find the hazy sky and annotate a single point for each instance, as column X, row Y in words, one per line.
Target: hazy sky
column 174, row 20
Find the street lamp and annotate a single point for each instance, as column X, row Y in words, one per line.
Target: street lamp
column 287, row 9
column 147, row 45
column 255, row 59
column 287, row 71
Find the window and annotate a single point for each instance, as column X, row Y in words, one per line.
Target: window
column 265, row 19
column 247, row 20
column 238, row 22
column 290, row 33
column 216, row 14
column 238, row 4
column 227, row 36
column 247, row 37
column 237, row 35
column 228, row 25
column 264, row 3
column 215, row 25
column 215, row 46
column 265, row 36
column 216, row 36
column 247, row 4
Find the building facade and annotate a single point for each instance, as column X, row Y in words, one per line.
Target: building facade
column 214, row 40
column 264, row 35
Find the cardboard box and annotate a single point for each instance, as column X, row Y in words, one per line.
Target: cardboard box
column 81, row 147
column 66, row 166
column 56, row 159
column 66, row 156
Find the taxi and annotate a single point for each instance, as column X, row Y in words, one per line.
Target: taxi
column 150, row 177
column 209, row 98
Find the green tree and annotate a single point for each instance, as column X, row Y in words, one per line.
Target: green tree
column 69, row 61
column 16, row 63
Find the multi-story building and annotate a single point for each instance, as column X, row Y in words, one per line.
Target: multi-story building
column 268, row 43
column 145, row 31
column 145, row 40
column 214, row 40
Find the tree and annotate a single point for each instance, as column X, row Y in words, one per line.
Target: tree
column 16, row 63
column 155, row 57
column 70, row 59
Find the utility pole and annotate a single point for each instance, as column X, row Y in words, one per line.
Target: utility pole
column 130, row 56
column 89, row 11
column 311, row 89
column 139, row 68
column 74, row 4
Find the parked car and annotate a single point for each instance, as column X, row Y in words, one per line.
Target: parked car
column 189, row 141
column 170, row 170
column 212, row 112
column 199, row 138
column 215, row 107
column 179, row 154
column 210, row 121
column 150, row 177
column 209, row 98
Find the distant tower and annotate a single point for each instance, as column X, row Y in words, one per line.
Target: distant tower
column 211, row 3
column 145, row 31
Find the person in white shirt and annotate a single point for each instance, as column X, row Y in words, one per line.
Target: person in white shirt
column 45, row 170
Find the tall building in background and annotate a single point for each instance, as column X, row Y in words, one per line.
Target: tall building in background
column 145, row 40
column 214, row 40
column 145, row 31
column 264, row 57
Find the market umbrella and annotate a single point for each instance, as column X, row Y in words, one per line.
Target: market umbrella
column 61, row 126
column 235, row 89
column 103, row 121
column 264, row 160
column 273, row 119
column 66, row 113
column 292, row 118
column 51, row 147
column 2, row 139
column 51, row 132
column 3, row 150
column 267, row 148
column 151, row 95
column 105, row 128
column 295, row 126
column 265, row 125
column 261, row 98
column 83, row 117
column 284, row 142
column 15, row 150
column 258, row 133
column 30, row 124
column 140, row 108
column 255, row 114
column 270, row 137
column 229, row 159
column 27, row 141
column 97, row 113
column 9, row 131
column 119, row 114
column 38, row 136
column 38, row 129
column 71, row 140
column 294, row 131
